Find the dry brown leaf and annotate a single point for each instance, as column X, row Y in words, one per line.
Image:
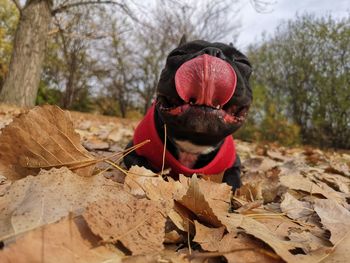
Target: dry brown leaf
column 337, row 182
column 299, row 182
column 143, row 182
column 43, row 137
column 280, row 226
column 207, row 237
column 294, row 208
column 277, row 156
column 282, row 247
column 173, row 237
column 138, row 224
column 338, row 166
column 246, row 208
column 258, row 185
column 135, row 179
column 341, row 253
column 69, row 240
column 207, row 200
column 259, row 164
column 94, row 144
column 251, row 250
column 235, row 247
column 37, row 200
column 334, row 217
column 165, row 256
column 310, row 241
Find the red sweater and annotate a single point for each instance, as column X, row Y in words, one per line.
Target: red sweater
column 153, row 150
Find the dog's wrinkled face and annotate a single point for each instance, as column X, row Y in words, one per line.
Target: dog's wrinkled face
column 203, row 94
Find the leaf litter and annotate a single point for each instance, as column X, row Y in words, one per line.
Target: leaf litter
column 293, row 206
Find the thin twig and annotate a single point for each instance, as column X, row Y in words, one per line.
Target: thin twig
column 164, row 150
column 65, row 7
column 18, row 5
column 218, row 254
column 87, row 162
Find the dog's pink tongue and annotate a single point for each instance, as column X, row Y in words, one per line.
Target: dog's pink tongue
column 206, row 80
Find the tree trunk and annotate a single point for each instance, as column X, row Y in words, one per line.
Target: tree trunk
column 71, row 83
column 22, row 82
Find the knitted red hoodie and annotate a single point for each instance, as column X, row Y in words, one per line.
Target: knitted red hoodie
column 153, row 150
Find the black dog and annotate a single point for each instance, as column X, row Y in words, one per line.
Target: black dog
column 203, row 96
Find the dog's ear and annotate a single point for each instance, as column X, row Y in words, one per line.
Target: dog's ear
column 183, row 40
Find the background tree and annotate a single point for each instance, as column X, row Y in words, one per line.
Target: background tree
column 162, row 29
column 303, row 72
column 8, row 23
column 115, row 68
column 22, row 81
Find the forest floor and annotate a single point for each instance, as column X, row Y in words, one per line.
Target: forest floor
column 61, row 202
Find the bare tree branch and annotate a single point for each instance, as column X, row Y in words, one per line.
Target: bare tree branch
column 18, row 5
column 64, row 7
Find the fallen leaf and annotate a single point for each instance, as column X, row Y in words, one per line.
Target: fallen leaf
column 43, row 137
column 310, row 241
column 96, row 144
column 69, row 240
column 340, row 253
column 249, row 206
column 259, row 164
column 173, row 237
column 299, row 182
column 277, row 156
column 282, row 247
column 334, row 217
column 337, row 182
column 207, row 200
column 338, row 166
column 294, row 208
column 239, row 248
column 279, row 225
column 261, row 185
column 118, row 134
column 207, row 237
column 38, row 200
column 138, row 224
column 165, row 256
column 136, row 178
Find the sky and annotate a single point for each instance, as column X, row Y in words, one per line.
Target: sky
column 253, row 24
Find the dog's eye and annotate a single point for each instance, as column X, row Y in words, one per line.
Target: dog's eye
column 177, row 53
column 243, row 61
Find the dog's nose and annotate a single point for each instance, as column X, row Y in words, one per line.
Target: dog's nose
column 213, row 51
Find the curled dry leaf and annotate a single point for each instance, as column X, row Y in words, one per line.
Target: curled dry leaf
column 207, row 200
column 44, row 137
column 37, row 200
column 207, row 237
column 334, row 217
column 138, row 224
column 299, row 182
column 261, row 164
column 165, row 256
column 282, row 247
column 136, row 178
column 312, row 242
column 143, row 182
column 294, row 208
column 69, row 240
column 235, row 247
column 340, row 253
column 239, row 248
column 247, row 207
